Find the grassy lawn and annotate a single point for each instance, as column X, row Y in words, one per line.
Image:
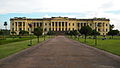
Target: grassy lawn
column 13, row 47
column 110, row 45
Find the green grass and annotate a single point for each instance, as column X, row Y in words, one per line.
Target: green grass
column 11, row 48
column 110, row 45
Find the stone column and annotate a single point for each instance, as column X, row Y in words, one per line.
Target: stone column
column 22, row 25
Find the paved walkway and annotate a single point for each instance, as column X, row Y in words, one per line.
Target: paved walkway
column 60, row 52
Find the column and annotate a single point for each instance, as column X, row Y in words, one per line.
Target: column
column 61, row 26
column 22, row 25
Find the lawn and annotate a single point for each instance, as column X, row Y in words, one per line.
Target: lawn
column 13, row 47
column 110, row 45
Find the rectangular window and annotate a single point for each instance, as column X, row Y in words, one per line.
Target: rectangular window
column 66, row 24
column 23, row 23
column 73, row 24
column 49, row 24
column 20, row 29
column 59, row 23
column 52, row 23
column 62, row 23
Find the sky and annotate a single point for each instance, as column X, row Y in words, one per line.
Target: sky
column 66, row 8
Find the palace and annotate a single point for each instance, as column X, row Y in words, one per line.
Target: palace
column 58, row 24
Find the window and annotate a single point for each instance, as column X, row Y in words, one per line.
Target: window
column 49, row 24
column 12, row 29
column 56, row 23
column 12, row 24
column 66, row 29
column 66, row 24
column 62, row 29
column 62, row 23
column 49, row 29
column 106, row 30
column 20, row 29
column 59, row 29
column 46, row 24
column 73, row 24
column 23, row 23
column 90, row 24
column 45, row 29
column 59, row 23
column 37, row 24
column 34, row 24
column 98, row 29
column 84, row 24
column 20, row 23
column 52, row 23
column 16, row 23
column 40, row 24
column 73, row 28
column 69, row 29
column 81, row 24
column 78, row 24
column 106, row 24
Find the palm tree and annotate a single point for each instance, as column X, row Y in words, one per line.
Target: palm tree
column 5, row 24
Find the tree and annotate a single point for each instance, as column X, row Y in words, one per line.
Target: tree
column 1, row 32
column 75, row 32
column 38, row 32
column 94, row 32
column 50, row 33
column 13, row 33
column 85, row 30
column 23, row 32
column 111, row 27
column 113, row 32
column 5, row 24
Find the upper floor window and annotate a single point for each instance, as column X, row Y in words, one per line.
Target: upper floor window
column 73, row 24
column 106, row 24
column 45, row 23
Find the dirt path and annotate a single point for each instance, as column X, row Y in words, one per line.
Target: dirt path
column 60, row 52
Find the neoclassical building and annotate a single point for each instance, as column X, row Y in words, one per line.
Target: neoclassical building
column 58, row 24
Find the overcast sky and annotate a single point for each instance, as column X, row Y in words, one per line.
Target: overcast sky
column 70, row 8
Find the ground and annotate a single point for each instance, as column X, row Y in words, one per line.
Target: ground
column 60, row 52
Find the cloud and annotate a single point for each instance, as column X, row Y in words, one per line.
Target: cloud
column 90, row 8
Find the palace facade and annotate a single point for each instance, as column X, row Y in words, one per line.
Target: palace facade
column 58, row 24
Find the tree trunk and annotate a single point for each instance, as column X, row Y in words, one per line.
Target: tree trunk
column 85, row 38
column 112, row 36
column 38, row 38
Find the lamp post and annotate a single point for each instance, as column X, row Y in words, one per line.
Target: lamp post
column 95, row 34
column 30, row 25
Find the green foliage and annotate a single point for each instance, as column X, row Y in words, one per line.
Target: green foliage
column 5, row 23
column 38, row 32
column 113, row 32
column 74, row 32
column 50, row 33
column 13, row 32
column 85, row 30
column 23, row 32
column 111, row 27
column 1, row 32
column 94, row 32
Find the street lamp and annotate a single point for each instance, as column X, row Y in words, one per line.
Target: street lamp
column 95, row 34
column 30, row 25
